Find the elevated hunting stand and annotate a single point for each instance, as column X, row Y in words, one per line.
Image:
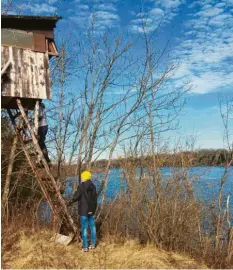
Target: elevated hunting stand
column 27, row 45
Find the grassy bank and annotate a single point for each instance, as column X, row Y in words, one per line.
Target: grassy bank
column 30, row 249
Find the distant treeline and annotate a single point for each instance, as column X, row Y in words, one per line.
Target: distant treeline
column 204, row 157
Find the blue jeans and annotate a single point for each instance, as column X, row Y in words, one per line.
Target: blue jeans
column 85, row 221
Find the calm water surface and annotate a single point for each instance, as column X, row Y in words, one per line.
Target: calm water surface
column 206, row 182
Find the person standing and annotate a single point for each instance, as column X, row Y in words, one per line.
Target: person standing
column 42, row 130
column 87, row 202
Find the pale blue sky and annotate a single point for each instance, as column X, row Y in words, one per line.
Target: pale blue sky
column 201, row 39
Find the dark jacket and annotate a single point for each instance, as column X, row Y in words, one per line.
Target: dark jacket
column 87, row 198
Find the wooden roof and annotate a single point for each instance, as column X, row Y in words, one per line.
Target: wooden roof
column 22, row 22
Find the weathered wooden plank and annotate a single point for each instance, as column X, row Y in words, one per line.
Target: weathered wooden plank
column 47, row 34
column 39, row 42
column 17, row 38
column 28, row 75
column 52, row 50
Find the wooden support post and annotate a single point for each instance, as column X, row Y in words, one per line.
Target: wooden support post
column 8, row 174
column 36, row 118
column 36, row 121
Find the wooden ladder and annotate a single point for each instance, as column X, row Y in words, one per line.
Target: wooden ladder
column 22, row 127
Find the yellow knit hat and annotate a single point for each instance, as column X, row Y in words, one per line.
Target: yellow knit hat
column 86, row 175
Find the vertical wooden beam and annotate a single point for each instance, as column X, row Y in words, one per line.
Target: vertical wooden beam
column 36, row 117
column 47, row 72
column 9, row 172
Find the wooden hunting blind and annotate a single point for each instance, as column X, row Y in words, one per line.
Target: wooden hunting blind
column 27, row 45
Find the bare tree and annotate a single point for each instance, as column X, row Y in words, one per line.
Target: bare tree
column 116, row 93
column 226, row 110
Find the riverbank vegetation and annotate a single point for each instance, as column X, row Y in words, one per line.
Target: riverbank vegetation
column 163, row 218
column 202, row 157
column 33, row 248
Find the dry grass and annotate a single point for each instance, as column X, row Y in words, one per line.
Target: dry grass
column 36, row 250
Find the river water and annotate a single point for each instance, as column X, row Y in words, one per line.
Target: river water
column 206, row 182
